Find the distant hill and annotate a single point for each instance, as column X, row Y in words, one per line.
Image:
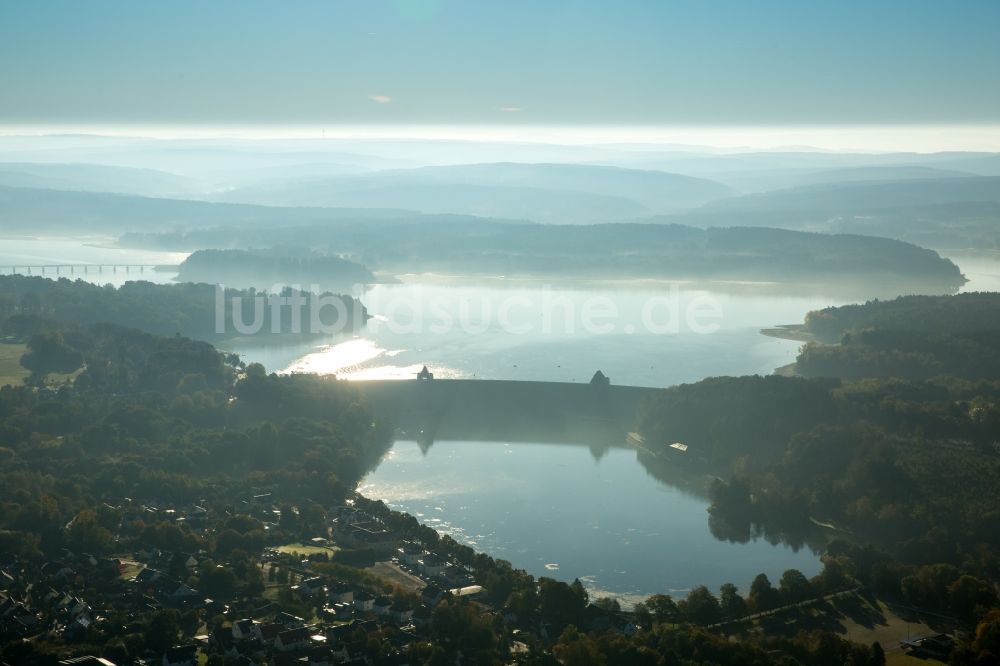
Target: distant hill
column 264, row 268
column 856, row 197
column 945, row 213
column 862, row 174
column 402, row 241
column 771, row 170
column 561, row 193
column 93, row 178
column 604, row 251
column 983, row 164
column 521, row 203
column 31, row 210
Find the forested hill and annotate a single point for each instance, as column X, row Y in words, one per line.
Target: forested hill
column 914, row 337
column 550, row 193
column 600, row 251
column 909, row 466
column 962, row 313
column 245, row 268
column 943, row 212
column 27, row 303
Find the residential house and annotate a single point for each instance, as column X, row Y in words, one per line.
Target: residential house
column 433, row 565
column 267, row 633
column 401, row 612
column 293, row 639
column 432, row 594
column 322, row 656
column 410, row 553
column 364, row 601
column 309, row 587
column 184, row 595
column 382, row 606
column 289, row 621
column 339, row 612
column 243, row 629
column 339, row 593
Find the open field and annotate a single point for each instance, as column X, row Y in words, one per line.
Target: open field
column 858, row 617
column 130, row 569
column 305, row 550
column 877, row 622
column 391, row 572
column 11, row 371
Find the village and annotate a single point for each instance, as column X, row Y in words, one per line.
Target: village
column 289, row 604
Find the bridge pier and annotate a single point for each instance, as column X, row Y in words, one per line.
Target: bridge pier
column 48, row 269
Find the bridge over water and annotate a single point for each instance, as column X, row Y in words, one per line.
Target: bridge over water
column 494, row 410
column 80, row 269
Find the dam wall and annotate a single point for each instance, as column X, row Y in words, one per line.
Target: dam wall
column 478, row 409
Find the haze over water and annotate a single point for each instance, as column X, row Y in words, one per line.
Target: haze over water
column 526, row 502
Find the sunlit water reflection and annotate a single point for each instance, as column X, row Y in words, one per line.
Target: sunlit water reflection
column 555, row 510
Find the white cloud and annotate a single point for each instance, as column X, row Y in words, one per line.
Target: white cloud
column 509, row 109
column 381, row 99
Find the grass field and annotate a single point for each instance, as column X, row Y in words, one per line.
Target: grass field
column 391, row 573
column 11, row 371
column 306, row 550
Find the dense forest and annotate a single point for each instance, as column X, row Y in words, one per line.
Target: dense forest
column 153, row 422
column 200, row 311
column 471, row 246
column 912, row 337
column 908, row 467
column 246, row 268
column 905, row 466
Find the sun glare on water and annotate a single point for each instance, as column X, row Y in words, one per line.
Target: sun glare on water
column 360, row 359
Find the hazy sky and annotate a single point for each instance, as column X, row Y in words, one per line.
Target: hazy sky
column 525, row 61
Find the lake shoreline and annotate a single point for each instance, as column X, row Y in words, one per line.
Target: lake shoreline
column 794, row 332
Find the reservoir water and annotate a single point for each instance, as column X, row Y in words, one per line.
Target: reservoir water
column 553, row 509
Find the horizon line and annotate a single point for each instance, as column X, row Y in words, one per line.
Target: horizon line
column 845, row 137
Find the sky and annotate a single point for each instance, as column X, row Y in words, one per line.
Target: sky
column 532, row 62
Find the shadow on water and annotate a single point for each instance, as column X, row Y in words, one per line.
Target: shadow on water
column 598, row 417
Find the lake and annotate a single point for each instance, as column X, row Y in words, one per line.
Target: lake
column 544, row 333
column 553, row 509
column 52, row 251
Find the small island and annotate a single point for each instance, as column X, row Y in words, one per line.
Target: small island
column 263, row 268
